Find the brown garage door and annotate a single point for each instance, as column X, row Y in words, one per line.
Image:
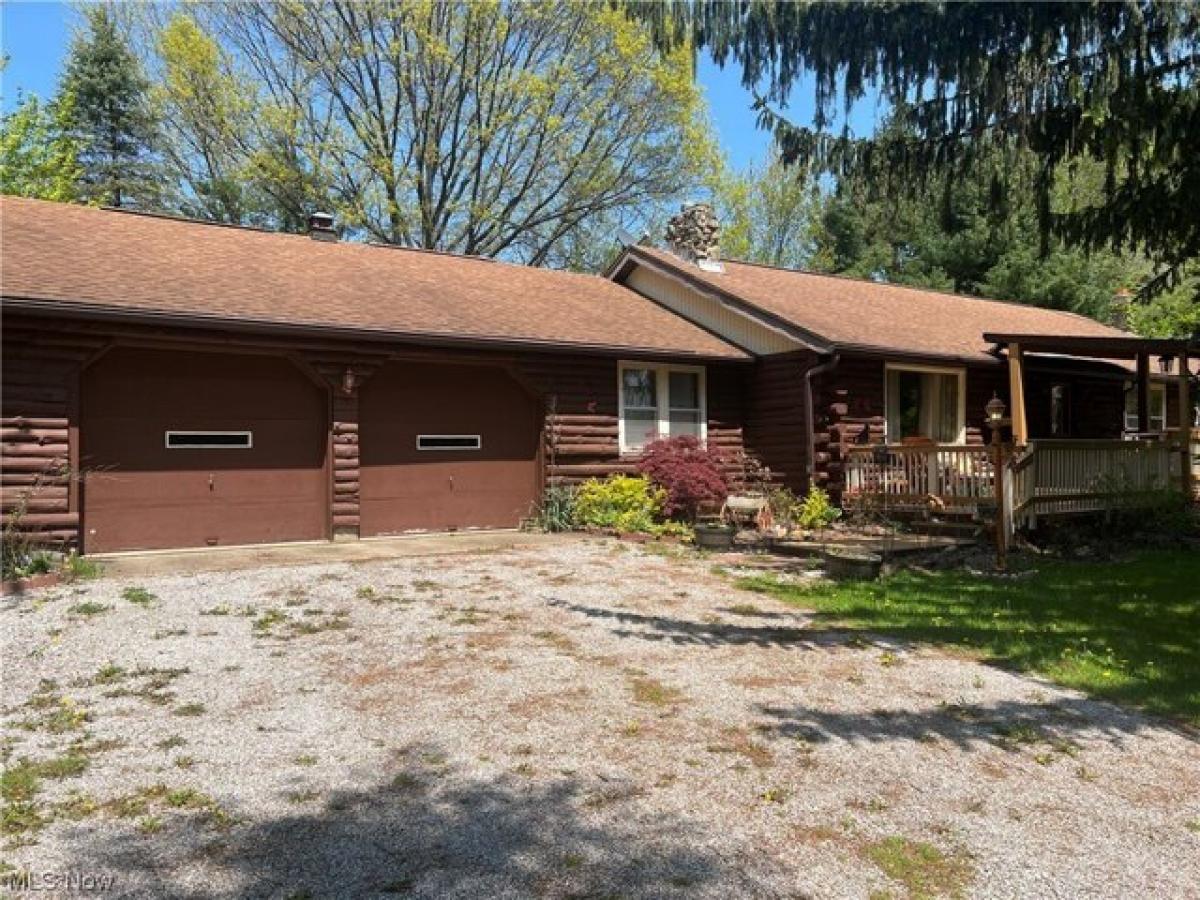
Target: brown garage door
column 194, row 449
column 445, row 447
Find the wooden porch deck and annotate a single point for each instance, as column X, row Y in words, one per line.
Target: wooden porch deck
column 1044, row 478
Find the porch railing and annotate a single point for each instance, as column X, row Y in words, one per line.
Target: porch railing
column 1063, row 477
column 910, row 477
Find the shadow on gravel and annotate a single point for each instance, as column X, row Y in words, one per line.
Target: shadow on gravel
column 426, row 832
column 1008, row 725
column 684, row 631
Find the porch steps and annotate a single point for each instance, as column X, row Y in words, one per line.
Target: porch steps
column 965, row 526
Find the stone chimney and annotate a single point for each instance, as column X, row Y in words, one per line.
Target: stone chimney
column 695, row 235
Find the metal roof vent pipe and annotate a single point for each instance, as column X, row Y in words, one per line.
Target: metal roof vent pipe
column 320, row 227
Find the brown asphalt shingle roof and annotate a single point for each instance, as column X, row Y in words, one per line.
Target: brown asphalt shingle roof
column 850, row 313
column 76, row 257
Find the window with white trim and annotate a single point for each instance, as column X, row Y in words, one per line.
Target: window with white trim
column 924, row 402
column 1158, row 408
column 660, row 401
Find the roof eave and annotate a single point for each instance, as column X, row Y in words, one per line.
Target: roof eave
column 632, row 255
column 123, row 315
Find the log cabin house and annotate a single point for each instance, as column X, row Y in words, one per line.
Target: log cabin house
column 171, row 383
column 844, row 364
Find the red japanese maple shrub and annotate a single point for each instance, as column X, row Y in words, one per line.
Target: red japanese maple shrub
column 688, row 471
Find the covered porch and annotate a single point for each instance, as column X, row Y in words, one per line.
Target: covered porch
column 1152, row 445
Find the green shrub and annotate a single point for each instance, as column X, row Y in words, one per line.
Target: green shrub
column 78, row 568
column 681, row 530
column 557, row 512
column 816, row 511
column 620, row 502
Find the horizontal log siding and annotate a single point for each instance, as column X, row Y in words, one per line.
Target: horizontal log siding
column 581, row 437
column 39, row 430
column 43, row 360
column 850, row 410
column 776, row 416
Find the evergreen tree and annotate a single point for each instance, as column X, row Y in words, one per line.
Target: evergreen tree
column 111, row 123
column 1115, row 83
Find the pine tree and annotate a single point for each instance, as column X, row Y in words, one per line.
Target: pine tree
column 112, row 122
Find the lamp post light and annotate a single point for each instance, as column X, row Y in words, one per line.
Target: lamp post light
column 996, row 421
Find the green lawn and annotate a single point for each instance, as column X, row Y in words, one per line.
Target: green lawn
column 1125, row 631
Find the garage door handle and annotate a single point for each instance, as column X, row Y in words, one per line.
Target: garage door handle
column 451, row 479
column 211, row 484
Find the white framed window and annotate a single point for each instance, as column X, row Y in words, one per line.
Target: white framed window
column 1158, row 408
column 925, row 402
column 449, row 442
column 208, row 440
column 657, row 401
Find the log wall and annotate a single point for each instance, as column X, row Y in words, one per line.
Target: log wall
column 581, row 433
column 776, row 413
column 44, row 361
column 39, row 421
column 850, row 411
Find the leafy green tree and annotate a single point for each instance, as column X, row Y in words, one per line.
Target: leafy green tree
column 1113, row 82
column 1173, row 313
column 38, row 157
column 767, row 214
column 498, row 129
column 111, row 120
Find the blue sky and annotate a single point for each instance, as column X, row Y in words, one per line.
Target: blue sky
column 35, row 36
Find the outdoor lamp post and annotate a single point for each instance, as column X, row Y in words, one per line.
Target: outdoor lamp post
column 994, row 413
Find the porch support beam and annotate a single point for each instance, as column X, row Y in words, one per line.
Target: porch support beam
column 1143, row 392
column 1016, row 394
column 1185, row 424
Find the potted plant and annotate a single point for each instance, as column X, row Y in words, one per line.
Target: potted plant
column 714, row 536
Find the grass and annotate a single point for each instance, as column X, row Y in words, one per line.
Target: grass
column 1127, row 631
column 88, row 608
column 923, row 869
column 653, row 692
column 139, row 596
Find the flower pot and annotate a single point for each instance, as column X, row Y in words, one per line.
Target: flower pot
column 714, row 537
column 29, row 583
column 845, row 564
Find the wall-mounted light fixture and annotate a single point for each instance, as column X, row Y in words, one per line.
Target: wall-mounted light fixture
column 350, row 381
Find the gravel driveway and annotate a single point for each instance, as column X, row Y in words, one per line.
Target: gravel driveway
column 584, row 718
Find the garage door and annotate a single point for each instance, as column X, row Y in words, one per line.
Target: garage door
column 445, row 447
column 195, row 449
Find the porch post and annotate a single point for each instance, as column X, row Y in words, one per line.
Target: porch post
column 1016, row 392
column 1143, row 392
column 1185, row 424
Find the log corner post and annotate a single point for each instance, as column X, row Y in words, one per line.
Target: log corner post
column 344, row 380
column 1185, row 423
